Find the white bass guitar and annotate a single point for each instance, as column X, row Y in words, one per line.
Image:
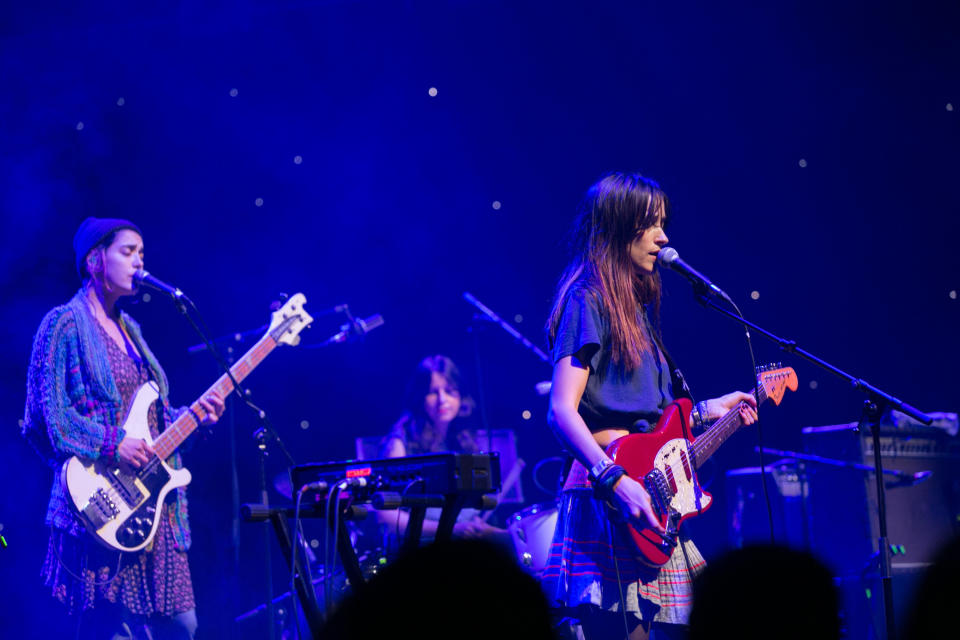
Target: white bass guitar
column 121, row 509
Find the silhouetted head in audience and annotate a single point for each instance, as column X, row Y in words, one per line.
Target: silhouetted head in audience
column 931, row 614
column 765, row 592
column 458, row 589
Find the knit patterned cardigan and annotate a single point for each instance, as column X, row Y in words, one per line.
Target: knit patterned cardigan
column 73, row 404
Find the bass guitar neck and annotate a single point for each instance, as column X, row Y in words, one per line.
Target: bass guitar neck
column 119, row 506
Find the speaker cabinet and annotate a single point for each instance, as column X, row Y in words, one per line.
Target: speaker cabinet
column 921, row 516
column 787, row 488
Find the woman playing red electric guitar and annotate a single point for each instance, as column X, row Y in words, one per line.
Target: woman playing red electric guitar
column 611, row 378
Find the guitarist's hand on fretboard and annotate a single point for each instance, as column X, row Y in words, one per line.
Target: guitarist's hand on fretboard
column 213, row 407
column 718, row 407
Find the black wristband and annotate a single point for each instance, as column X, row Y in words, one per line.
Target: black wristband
column 603, row 486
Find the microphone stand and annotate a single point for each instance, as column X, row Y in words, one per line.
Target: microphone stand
column 229, row 341
column 877, row 404
column 481, row 400
column 519, row 337
column 506, row 326
column 262, row 435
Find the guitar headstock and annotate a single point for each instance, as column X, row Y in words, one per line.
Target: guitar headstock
column 288, row 321
column 775, row 380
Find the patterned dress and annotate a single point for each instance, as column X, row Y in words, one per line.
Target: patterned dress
column 80, row 571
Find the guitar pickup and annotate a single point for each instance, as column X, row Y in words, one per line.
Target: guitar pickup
column 126, row 487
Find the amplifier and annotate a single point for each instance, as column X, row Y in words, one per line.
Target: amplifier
column 921, row 516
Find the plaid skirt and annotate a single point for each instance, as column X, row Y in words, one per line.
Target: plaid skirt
column 593, row 561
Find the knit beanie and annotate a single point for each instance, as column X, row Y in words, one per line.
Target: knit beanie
column 91, row 232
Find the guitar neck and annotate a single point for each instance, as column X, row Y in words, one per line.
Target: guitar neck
column 711, row 439
column 187, row 423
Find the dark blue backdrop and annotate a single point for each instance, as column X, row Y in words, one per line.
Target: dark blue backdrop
column 810, row 150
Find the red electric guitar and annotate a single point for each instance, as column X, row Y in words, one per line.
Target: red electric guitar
column 665, row 462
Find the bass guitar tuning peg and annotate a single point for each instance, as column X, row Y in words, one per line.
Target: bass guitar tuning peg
column 279, row 302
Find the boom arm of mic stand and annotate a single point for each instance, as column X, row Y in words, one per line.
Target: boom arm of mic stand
column 876, row 395
column 228, row 340
column 519, row 337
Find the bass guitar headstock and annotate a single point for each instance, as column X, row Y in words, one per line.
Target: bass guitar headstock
column 288, row 321
column 774, row 380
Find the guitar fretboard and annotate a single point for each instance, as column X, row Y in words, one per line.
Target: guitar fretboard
column 187, row 423
column 711, row 439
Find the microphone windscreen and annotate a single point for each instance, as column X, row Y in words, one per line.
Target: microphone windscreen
column 371, row 323
column 667, row 255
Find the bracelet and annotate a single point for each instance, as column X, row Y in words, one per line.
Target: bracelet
column 603, row 486
column 696, row 420
column 597, row 470
column 699, row 414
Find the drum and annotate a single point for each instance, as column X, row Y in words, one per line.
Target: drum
column 532, row 532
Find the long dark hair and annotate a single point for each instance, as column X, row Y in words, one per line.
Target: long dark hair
column 613, row 211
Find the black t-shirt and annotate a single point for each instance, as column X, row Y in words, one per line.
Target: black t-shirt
column 614, row 397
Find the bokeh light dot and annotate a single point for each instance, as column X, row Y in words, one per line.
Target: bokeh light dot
column 496, row 205
column 80, row 126
column 754, row 295
column 953, row 294
column 813, row 384
column 802, row 162
column 526, row 415
column 297, row 159
column 518, row 318
column 233, row 93
column 949, row 106
column 432, row 92
column 314, row 543
column 147, row 297
column 258, row 202
column 304, row 424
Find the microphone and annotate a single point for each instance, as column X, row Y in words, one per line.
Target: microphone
column 142, row 277
column 905, row 478
column 668, row 257
column 357, row 328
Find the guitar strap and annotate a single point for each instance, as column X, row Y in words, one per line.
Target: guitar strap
column 677, row 380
